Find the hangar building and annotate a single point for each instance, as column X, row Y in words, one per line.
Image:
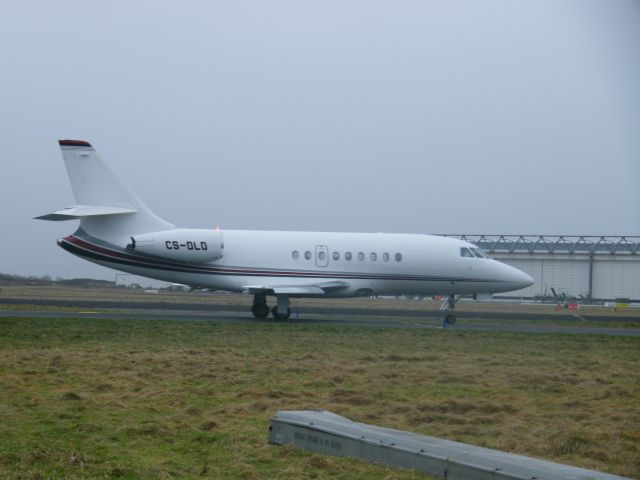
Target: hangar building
column 600, row 268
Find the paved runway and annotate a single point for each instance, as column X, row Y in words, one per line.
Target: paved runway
column 212, row 308
column 357, row 317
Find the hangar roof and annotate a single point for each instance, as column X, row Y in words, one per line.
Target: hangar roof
column 560, row 244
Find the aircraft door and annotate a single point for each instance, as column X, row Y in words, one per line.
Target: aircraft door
column 322, row 255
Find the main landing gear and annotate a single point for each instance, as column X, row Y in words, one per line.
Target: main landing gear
column 260, row 309
column 449, row 306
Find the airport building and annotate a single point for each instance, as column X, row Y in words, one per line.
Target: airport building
column 600, row 268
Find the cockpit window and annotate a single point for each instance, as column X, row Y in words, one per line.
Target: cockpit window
column 471, row 252
column 465, row 252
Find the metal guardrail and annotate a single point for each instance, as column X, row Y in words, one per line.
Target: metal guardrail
column 325, row 432
column 562, row 244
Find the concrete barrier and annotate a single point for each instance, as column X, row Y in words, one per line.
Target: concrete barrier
column 325, row 432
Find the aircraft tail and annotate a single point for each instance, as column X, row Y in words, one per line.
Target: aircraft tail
column 107, row 208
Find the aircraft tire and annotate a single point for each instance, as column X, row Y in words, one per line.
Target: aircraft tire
column 280, row 316
column 260, row 310
column 450, row 319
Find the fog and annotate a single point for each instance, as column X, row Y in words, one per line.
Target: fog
column 492, row 117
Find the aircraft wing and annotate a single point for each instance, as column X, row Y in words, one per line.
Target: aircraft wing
column 311, row 289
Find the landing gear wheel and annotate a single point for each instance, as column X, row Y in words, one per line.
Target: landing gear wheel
column 260, row 310
column 449, row 306
column 280, row 316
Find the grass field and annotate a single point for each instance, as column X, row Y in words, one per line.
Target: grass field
column 161, row 399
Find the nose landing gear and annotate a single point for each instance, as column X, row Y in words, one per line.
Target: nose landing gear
column 449, row 306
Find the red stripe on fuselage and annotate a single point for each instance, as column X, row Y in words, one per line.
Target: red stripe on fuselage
column 147, row 262
column 207, row 269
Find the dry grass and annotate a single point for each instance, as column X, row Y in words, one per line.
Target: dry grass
column 155, row 399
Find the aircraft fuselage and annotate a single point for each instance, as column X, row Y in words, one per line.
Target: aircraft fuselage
column 370, row 263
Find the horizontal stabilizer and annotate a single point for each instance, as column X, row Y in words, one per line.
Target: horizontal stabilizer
column 75, row 212
column 313, row 289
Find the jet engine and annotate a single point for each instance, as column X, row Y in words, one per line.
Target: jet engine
column 181, row 244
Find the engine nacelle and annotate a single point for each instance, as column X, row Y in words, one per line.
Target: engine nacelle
column 182, row 244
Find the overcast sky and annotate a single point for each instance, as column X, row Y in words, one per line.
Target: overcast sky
column 395, row 116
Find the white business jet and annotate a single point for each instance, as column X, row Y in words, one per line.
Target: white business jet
column 118, row 231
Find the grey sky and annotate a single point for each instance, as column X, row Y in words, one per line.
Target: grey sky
column 411, row 116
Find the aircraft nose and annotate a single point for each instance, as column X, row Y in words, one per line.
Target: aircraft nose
column 519, row 279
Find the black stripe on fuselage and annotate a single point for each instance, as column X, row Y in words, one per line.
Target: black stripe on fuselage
column 99, row 253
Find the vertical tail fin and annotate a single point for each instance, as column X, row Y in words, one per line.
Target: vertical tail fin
column 95, row 186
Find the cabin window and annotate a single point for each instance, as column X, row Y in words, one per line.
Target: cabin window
column 295, row 254
column 307, row 255
column 373, row 256
column 385, row 256
column 398, row 257
column 361, row 256
column 347, row 256
column 465, row 252
column 322, row 255
column 336, row 256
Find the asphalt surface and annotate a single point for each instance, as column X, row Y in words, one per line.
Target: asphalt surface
column 213, row 309
column 330, row 316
